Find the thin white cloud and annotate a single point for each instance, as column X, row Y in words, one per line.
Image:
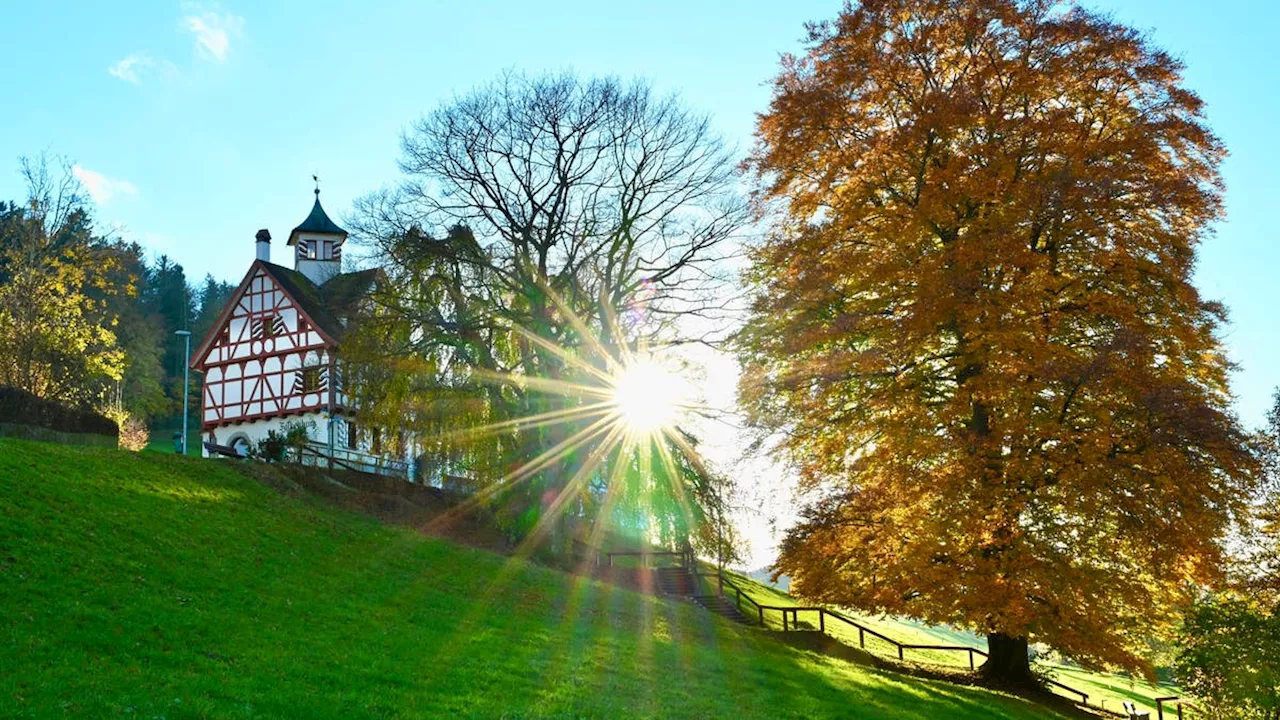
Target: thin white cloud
column 100, row 187
column 131, row 68
column 140, row 66
column 213, row 30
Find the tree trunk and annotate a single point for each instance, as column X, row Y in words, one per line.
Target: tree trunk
column 1008, row 664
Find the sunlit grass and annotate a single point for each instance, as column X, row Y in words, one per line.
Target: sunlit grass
column 1105, row 689
column 115, row 602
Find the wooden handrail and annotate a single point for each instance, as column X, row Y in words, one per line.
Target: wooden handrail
column 645, row 552
column 863, row 631
column 1083, row 695
column 642, row 554
column 1160, row 701
column 396, row 466
column 740, row 594
column 340, row 463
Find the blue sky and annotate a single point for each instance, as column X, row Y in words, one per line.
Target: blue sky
column 197, row 124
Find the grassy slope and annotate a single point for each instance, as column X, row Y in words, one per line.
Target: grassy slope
column 149, row 585
column 162, row 440
column 1102, row 687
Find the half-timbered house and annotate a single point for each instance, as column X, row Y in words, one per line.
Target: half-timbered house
column 272, row 358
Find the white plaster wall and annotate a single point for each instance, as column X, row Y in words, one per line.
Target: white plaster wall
column 320, row 270
column 258, row 429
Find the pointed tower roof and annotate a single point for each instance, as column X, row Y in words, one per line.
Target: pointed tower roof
column 317, row 222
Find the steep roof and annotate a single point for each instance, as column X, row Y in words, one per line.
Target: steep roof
column 317, row 222
column 330, row 304
column 327, row 305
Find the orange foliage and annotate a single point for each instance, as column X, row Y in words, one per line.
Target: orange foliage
column 974, row 327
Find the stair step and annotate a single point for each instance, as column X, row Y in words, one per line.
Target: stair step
column 676, row 581
column 722, row 606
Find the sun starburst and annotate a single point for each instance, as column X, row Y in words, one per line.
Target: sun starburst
column 648, row 397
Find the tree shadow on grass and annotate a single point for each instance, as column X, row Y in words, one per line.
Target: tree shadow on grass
column 699, row 667
column 269, row 604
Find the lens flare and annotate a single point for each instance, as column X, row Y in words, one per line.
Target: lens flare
column 619, row 438
column 648, row 397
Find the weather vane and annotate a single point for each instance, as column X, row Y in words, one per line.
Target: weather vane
column 317, row 179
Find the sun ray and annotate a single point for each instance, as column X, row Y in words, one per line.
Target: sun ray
column 674, row 474
column 544, row 459
column 550, row 417
column 519, row 556
column 612, row 493
column 569, row 357
column 594, row 461
column 550, row 385
column 612, row 364
column 624, row 408
column 552, row 513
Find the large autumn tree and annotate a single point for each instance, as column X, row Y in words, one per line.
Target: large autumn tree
column 974, row 328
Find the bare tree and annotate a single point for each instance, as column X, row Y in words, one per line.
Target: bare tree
column 601, row 190
column 540, row 221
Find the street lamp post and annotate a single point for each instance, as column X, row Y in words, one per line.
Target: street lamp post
column 186, row 385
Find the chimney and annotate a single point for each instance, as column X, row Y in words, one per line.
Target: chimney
column 264, row 245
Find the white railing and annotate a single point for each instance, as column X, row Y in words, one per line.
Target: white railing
column 318, row 454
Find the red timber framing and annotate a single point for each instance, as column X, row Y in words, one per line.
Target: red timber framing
column 266, row 358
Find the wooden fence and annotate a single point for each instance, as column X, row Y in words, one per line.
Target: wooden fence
column 318, row 454
column 791, row 622
column 823, row 613
column 1174, row 700
column 646, row 556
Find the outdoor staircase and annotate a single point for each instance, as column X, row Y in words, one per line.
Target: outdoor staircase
column 722, row 606
column 679, row 581
column 675, row 581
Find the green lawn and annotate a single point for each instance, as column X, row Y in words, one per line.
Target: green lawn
column 151, row 585
column 1105, row 689
column 162, row 440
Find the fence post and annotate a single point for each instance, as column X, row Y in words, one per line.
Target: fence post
column 784, row 621
column 970, row 659
column 822, row 620
column 862, row 639
column 900, row 653
column 1159, row 710
column 761, row 615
